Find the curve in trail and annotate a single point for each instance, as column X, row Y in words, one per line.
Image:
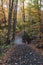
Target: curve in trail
column 18, row 38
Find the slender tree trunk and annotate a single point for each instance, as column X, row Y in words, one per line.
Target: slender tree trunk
column 39, row 13
column 23, row 16
column 40, row 20
column 15, row 19
column 29, row 13
column 23, row 13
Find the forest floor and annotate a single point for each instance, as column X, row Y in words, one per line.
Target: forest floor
column 22, row 54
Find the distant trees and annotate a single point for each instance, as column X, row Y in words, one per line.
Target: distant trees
column 32, row 24
column 34, row 17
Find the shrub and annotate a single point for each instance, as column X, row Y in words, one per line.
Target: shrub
column 26, row 38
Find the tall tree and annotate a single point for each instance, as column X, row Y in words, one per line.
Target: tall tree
column 9, row 19
column 23, row 12
column 15, row 18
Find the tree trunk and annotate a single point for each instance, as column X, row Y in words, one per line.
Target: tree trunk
column 23, row 15
column 15, row 19
column 9, row 19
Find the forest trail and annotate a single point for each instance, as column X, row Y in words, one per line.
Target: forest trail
column 21, row 53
